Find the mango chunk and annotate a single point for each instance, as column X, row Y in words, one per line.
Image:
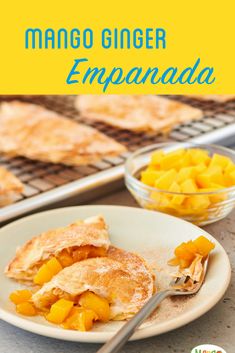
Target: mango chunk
column 185, row 161
column 231, row 178
column 97, row 252
column 26, row 309
column 170, row 160
column 174, row 261
column 214, row 198
column 160, row 199
column 20, row 296
column 199, row 156
column 219, row 160
column 189, row 186
column 200, row 168
column 199, row 202
column 165, row 181
column 185, row 173
column 43, row 275
column 203, row 180
column 97, row 304
column 82, row 252
column 47, row 300
column 149, row 176
column 59, row 311
column 183, row 263
column 185, row 253
column 203, row 245
column 191, row 247
column 54, row 266
column 216, row 173
column 47, row 271
column 177, row 200
column 174, row 187
column 229, row 168
column 156, row 158
column 80, row 319
column 212, row 175
column 65, row 258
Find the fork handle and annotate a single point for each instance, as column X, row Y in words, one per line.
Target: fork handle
column 120, row 338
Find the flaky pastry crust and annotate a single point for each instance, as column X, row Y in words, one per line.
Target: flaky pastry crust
column 136, row 112
column 36, row 133
column 10, row 185
column 220, row 98
column 92, row 231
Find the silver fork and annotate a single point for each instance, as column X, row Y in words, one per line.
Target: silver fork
column 176, row 287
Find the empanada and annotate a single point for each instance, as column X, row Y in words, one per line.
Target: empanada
column 34, row 132
column 122, row 278
column 220, row 98
column 78, row 241
column 136, row 112
column 10, row 186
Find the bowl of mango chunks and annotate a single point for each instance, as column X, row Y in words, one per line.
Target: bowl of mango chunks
column 186, row 180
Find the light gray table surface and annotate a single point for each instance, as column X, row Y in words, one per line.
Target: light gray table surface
column 216, row 326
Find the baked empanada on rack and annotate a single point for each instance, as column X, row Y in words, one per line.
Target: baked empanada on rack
column 136, row 112
column 10, row 186
column 75, row 242
column 220, row 98
column 34, row 132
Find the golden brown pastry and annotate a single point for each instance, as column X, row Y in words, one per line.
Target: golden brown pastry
column 220, row 98
column 123, row 278
column 136, row 265
column 34, row 132
column 136, row 112
column 10, row 186
column 79, row 240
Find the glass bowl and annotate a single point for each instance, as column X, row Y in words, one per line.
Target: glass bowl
column 221, row 202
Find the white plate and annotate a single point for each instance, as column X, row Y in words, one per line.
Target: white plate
column 152, row 234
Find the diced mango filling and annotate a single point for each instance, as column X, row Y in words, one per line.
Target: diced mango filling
column 47, row 300
column 74, row 313
column 59, row 311
column 20, row 296
column 64, row 259
column 26, row 309
column 99, row 305
column 60, row 307
column 185, row 253
column 47, row 271
column 203, row 245
column 187, row 171
column 83, row 252
column 80, row 319
column 21, row 299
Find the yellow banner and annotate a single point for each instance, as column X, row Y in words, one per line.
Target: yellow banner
column 162, row 47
